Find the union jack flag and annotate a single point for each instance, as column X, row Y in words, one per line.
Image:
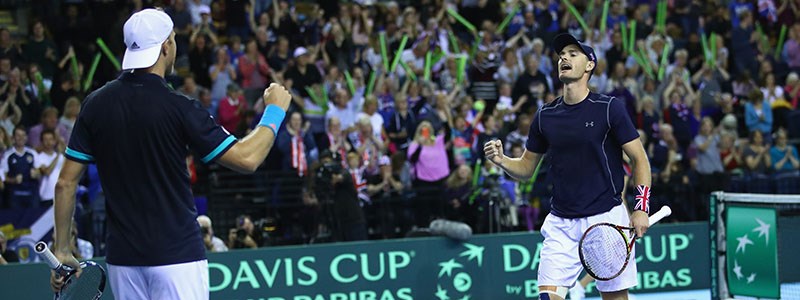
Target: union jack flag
column 642, row 198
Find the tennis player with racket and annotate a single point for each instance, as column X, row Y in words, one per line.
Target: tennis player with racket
column 584, row 133
column 139, row 131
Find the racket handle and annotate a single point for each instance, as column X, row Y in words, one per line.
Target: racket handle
column 664, row 212
column 48, row 257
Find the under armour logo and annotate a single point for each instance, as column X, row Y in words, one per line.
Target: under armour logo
column 135, row 46
column 589, row 124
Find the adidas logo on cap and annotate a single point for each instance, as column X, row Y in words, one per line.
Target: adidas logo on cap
column 135, row 46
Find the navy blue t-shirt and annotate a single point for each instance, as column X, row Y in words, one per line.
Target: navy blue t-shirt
column 584, row 142
column 21, row 164
column 139, row 131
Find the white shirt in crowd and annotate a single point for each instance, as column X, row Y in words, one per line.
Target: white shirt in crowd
column 47, row 186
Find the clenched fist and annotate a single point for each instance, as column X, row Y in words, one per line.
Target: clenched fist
column 494, row 151
column 278, row 95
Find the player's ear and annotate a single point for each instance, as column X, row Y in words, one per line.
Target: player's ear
column 590, row 66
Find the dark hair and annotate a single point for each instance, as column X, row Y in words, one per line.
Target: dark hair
column 47, row 131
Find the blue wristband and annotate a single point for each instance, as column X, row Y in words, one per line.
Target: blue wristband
column 272, row 118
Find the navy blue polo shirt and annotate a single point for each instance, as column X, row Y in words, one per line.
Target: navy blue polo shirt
column 139, row 131
column 584, row 142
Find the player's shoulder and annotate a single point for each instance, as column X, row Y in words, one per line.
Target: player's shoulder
column 598, row 98
column 555, row 104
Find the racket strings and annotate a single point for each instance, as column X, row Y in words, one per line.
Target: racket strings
column 85, row 287
column 605, row 251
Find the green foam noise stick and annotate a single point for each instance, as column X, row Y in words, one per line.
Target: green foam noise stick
column 108, row 53
column 762, row 37
column 398, row 53
column 409, row 72
column 476, row 172
column 350, row 84
column 89, row 77
column 535, row 174
column 427, row 74
column 623, row 27
column 384, row 56
column 461, row 20
column 453, row 43
column 577, row 15
column 75, row 71
column 632, row 35
column 663, row 65
column 462, row 65
column 781, row 39
column 507, row 20
column 604, row 16
column 371, row 85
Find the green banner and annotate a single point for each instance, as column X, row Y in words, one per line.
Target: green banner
column 500, row 266
column 752, row 252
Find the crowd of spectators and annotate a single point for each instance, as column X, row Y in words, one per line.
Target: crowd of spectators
column 720, row 117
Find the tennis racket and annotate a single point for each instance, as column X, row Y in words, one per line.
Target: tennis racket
column 89, row 286
column 605, row 249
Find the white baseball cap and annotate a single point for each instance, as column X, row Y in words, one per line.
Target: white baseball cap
column 144, row 32
column 299, row 51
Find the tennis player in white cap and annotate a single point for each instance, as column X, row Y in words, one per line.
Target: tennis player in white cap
column 137, row 130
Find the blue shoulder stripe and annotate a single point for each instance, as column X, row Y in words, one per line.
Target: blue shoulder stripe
column 221, row 147
column 78, row 155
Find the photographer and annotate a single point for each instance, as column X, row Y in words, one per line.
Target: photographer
column 333, row 185
column 244, row 235
column 212, row 243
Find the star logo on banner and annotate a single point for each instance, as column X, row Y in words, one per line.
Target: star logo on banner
column 473, row 252
column 751, row 278
column 743, row 242
column 441, row 294
column 737, row 269
column 763, row 230
column 448, row 266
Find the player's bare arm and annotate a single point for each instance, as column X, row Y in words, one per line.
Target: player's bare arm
column 641, row 176
column 246, row 155
column 521, row 168
column 64, row 206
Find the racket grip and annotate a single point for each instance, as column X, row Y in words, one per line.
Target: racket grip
column 48, row 257
column 664, row 212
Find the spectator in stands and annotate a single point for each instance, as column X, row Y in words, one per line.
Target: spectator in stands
column 772, row 92
column 201, row 54
column 41, row 50
column 212, row 243
column 9, row 48
column 49, row 162
column 708, row 162
column 6, row 255
column 190, row 87
column 427, row 154
column 245, row 234
column 336, row 141
column 28, row 104
column 279, row 59
column 232, row 108
column 253, row 67
column 222, row 73
column 34, row 83
column 63, row 89
column 236, row 18
column 297, row 146
column 19, row 172
column 511, row 68
column 756, row 154
column 792, row 89
column 458, row 189
column 758, row 114
column 532, row 83
column 182, row 20
column 304, row 74
column 205, row 101
column 709, row 81
column 730, row 154
column 791, row 48
column 783, row 156
column 678, row 113
column 49, row 122
column 400, row 124
column 744, row 47
column 346, row 108
column 370, row 111
column 368, row 145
